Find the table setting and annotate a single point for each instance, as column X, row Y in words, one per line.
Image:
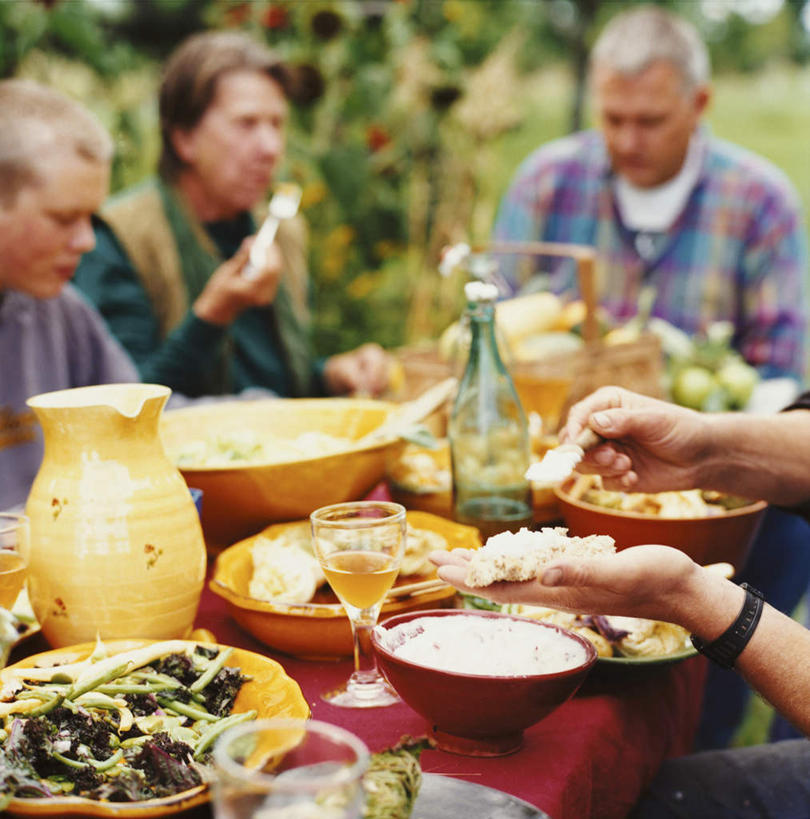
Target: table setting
column 558, row 759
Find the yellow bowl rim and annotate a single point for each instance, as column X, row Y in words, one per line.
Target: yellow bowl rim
column 224, row 406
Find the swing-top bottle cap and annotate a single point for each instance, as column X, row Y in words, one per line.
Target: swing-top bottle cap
column 480, row 291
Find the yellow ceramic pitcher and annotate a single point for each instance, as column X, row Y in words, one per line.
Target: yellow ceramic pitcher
column 116, row 544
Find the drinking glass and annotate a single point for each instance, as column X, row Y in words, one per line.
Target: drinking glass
column 14, row 539
column 14, row 543
column 360, row 545
column 289, row 769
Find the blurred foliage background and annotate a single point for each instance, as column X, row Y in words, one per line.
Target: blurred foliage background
column 412, row 116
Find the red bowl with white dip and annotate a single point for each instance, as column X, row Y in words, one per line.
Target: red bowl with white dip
column 480, row 678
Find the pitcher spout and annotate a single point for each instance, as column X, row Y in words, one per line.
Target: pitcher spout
column 128, row 400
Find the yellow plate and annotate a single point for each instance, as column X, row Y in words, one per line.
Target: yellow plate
column 269, row 691
column 320, row 629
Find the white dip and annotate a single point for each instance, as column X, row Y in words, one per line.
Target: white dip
column 496, row 646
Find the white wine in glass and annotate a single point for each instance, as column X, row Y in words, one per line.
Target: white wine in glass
column 360, row 545
column 13, row 553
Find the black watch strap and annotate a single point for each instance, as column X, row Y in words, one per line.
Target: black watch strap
column 729, row 645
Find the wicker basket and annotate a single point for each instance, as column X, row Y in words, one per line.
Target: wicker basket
column 551, row 384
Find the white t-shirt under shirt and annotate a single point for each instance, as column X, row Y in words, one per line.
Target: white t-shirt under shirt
column 650, row 212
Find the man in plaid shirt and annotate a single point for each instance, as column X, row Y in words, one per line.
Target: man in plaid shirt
column 716, row 230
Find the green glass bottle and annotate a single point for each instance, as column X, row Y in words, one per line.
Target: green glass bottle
column 488, row 433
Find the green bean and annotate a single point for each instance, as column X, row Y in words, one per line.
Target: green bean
column 213, row 731
column 95, row 699
column 99, row 765
column 154, row 677
column 42, row 694
column 106, row 764
column 214, row 667
column 133, row 688
column 131, row 742
column 186, row 710
column 71, row 763
column 93, row 681
column 55, row 699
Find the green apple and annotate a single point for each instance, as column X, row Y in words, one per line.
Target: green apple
column 738, row 379
column 692, row 386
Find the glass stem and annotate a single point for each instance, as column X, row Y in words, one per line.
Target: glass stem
column 365, row 666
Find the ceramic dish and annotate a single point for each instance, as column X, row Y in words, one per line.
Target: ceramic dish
column 715, row 539
column 243, row 497
column 269, row 691
column 645, row 662
column 443, row 797
column 477, row 712
column 319, row 630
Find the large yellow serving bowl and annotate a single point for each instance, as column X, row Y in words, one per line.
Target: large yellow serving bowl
column 241, row 499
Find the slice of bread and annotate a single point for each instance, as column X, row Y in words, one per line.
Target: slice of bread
column 522, row 555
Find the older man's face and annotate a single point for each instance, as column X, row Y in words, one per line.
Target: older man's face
column 647, row 120
column 47, row 228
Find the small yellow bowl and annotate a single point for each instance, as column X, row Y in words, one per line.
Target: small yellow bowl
column 320, row 630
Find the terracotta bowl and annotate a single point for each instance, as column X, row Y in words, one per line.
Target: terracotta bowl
column 472, row 714
column 725, row 538
column 241, row 499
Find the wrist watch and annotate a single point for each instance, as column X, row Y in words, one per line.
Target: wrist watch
column 729, row 645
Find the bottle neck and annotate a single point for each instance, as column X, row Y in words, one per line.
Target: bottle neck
column 483, row 343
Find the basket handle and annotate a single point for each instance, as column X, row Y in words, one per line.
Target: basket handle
column 585, row 259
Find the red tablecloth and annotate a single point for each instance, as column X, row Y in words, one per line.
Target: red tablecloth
column 590, row 758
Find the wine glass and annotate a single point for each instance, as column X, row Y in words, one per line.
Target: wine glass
column 360, row 545
column 289, row 769
column 14, row 533
column 14, row 541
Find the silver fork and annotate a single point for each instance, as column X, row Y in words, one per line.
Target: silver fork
column 283, row 205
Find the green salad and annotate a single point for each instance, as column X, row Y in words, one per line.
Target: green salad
column 123, row 728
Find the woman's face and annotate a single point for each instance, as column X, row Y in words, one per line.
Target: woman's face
column 234, row 150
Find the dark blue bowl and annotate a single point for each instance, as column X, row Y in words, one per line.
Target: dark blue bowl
column 196, row 496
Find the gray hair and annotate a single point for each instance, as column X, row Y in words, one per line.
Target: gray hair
column 635, row 39
column 33, row 120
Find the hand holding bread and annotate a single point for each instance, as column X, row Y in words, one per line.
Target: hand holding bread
column 653, row 582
